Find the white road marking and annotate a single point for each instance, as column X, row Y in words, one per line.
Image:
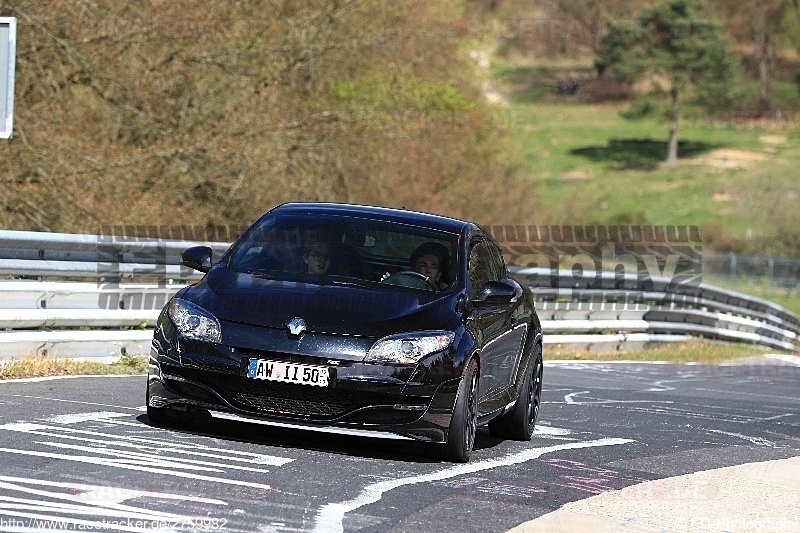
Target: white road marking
column 157, row 456
column 84, row 417
column 118, row 422
column 791, row 359
column 550, row 430
column 553, row 433
column 59, row 510
column 189, row 447
column 150, row 458
column 94, row 493
column 686, row 413
column 53, row 378
column 659, row 386
column 74, row 401
column 136, row 467
column 570, row 399
column 776, row 417
column 331, row 516
column 743, row 393
column 755, row 440
column 167, row 448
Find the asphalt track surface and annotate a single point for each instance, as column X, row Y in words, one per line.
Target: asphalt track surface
column 79, row 454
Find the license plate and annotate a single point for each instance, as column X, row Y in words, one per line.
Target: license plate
column 316, row 376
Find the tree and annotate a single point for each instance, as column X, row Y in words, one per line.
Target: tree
column 593, row 14
column 761, row 22
column 673, row 46
column 186, row 112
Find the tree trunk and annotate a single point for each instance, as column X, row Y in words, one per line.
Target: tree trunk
column 672, row 149
column 766, row 65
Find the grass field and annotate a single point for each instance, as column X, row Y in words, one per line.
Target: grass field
column 738, row 179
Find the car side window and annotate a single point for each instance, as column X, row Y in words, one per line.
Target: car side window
column 480, row 267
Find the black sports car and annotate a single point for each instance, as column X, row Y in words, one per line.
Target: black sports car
column 358, row 320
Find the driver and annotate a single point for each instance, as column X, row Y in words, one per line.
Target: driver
column 429, row 259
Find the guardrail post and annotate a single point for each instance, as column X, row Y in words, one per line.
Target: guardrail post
column 771, row 272
column 733, row 266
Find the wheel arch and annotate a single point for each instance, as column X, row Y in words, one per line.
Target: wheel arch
column 533, row 339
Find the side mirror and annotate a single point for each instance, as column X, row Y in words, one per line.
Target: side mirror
column 197, row 257
column 494, row 293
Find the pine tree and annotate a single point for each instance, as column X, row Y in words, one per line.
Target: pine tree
column 675, row 47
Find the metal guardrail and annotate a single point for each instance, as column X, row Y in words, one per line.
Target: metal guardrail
column 113, row 315
column 608, row 302
column 35, row 316
column 66, row 255
column 97, row 320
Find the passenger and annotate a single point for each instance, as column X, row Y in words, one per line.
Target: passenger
column 317, row 258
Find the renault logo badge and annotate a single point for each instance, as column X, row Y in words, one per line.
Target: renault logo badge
column 296, row 326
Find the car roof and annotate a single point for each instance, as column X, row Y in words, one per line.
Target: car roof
column 379, row 213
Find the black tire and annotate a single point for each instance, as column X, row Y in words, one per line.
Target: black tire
column 158, row 416
column 464, row 424
column 518, row 423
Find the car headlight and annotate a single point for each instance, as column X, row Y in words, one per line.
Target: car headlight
column 408, row 348
column 194, row 322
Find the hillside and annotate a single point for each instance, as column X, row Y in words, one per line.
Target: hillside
column 593, row 149
column 186, row 112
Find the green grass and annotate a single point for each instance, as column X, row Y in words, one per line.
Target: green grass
column 586, row 164
column 599, row 165
column 42, row 365
column 682, row 352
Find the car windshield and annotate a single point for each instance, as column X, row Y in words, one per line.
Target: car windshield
column 338, row 249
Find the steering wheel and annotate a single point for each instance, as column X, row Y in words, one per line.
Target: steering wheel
column 409, row 278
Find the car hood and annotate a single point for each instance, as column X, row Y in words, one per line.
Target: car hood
column 326, row 308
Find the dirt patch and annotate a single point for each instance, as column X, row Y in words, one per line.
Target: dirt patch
column 729, row 158
column 776, row 140
column 577, row 175
column 494, row 96
column 721, row 197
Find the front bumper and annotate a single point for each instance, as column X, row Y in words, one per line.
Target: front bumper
column 377, row 400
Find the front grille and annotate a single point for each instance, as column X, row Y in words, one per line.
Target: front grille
column 303, row 400
column 292, row 399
